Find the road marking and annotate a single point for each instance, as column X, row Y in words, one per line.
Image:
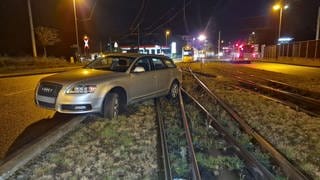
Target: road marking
column 18, row 92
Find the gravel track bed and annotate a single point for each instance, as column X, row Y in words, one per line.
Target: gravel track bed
column 123, row 148
column 295, row 134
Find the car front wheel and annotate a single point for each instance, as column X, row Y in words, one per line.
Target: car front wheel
column 111, row 106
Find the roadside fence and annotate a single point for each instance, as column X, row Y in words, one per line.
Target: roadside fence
column 301, row 49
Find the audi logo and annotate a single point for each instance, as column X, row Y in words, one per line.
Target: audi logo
column 46, row 90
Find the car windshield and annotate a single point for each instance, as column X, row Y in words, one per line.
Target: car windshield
column 111, row 63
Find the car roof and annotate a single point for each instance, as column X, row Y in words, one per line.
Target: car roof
column 136, row 55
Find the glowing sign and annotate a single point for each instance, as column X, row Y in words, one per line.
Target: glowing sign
column 86, row 41
column 173, row 47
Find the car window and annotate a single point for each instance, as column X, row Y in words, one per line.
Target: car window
column 143, row 62
column 111, row 63
column 169, row 63
column 158, row 64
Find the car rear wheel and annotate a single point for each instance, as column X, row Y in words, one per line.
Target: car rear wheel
column 174, row 90
column 111, row 106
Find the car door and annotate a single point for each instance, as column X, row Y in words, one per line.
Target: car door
column 162, row 73
column 142, row 84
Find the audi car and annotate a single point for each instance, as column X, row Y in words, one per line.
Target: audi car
column 107, row 85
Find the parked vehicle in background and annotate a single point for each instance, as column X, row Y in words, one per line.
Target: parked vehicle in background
column 245, row 52
column 187, row 53
column 108, row 84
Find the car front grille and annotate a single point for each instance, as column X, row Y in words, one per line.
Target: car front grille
column 49, row 89
column 47, row 94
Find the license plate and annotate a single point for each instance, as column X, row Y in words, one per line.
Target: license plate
column 46, row 99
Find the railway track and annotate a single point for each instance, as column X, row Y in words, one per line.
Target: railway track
column 295, row 101
column 253, row 168
column 284, row 86
column 283, row 93
column 296, row 98
column 249, row 166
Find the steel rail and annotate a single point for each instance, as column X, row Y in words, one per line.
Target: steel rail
column 195, row 168
column 308, row 105
column 164, row 145
column 306, row 99
column 300, row 102
column 241, row 151
column 294, row 106
column 285, row 86
column 290, row 170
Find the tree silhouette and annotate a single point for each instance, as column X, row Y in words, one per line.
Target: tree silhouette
column 47, row 37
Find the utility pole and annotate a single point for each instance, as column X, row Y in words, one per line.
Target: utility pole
column 219, row 41
column 76, row 26
column 318, row 25
column 34, row 49
column 280, row 23
column 185, row 17
column 138, row 37
column 100, row 46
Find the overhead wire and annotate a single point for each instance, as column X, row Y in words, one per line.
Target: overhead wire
column 161, row 17
column 185, row 5
column 185, row 17
column 170, row 19
column 91, row 12
column 133, row 25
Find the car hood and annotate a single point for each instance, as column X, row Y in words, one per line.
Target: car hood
column 79, row 75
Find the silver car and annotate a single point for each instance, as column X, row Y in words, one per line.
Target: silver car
column 108, row 84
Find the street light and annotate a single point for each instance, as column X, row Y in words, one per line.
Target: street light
column 76, row 25
column 167, row 34
column 280, row 7
column 202, row 37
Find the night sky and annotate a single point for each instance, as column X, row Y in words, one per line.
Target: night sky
column 117, row 20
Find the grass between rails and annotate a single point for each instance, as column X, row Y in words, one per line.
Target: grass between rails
column 295, row 134
column 233, row 129
column 216, row 158
column 18, row 64
column 123, row 148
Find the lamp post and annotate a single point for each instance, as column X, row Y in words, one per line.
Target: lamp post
column 76, row 25
column 34, row 49
column 167, row 34
column 280, row 7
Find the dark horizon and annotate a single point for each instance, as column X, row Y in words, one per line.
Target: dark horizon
column 118, row 21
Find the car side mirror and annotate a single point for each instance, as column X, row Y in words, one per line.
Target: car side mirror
column 139, row 69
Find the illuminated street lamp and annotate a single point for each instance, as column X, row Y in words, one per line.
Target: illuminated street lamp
column 202, row 37
column 280, row 7
column 167, row 34
column 76, row 25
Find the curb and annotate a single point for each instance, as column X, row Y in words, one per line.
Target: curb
column 31, row 150
column 39, row 71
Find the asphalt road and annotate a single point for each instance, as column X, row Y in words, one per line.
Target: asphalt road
column 20, row 120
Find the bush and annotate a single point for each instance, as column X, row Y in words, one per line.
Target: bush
column 9, row 64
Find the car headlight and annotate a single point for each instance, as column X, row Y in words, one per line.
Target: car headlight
column 82, row 89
